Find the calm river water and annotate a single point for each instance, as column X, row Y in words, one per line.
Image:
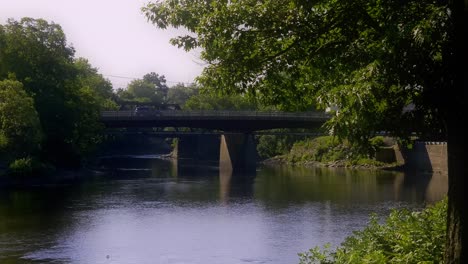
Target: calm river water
column 148, row 211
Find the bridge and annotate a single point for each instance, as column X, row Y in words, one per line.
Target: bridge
column 232, row 142
column 241, row 121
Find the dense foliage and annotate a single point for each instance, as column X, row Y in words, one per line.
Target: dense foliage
column 180, row 93
column 151, row 88
column 20, row 129
column 326, row 149
column 213, row 101
column 371, row 61
column 397, row 66
column 404, row 237
column 67, row 93
column 269, row 146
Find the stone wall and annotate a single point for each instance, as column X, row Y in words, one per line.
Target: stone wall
column 424, row 156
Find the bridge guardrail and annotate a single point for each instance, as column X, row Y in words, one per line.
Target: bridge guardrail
column 212, row 114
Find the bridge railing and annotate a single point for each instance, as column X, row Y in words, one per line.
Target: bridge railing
column 213, row 114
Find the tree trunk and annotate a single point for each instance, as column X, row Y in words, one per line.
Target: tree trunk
column 456, row 121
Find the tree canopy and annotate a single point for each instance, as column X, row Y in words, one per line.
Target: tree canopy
column 180, row 93
column 20, row 128
column 397, row 66
column 371, row 60
column 151, row 88
column 68, row 93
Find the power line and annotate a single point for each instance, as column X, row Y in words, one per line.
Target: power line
column 134, row 78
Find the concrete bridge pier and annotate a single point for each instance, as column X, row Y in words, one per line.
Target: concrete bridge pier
column 234, row 153
column 237, row 153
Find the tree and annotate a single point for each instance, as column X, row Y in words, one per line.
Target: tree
column 89, row 78
column 159, row 83
column 356, row 55
column 179, row 94
column 151, row 88
column 368, row 59
column 20, row 129
column 65, row 91
column 144, row 91
column 213, row 101
column 455, row 248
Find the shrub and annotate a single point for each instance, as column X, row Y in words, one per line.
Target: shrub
column 323, row 149
column 27, row 167
column 405, row 237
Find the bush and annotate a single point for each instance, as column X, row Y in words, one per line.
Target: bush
column 330, row 149
column 27, row 167
column 405, row 237
column 321, row 149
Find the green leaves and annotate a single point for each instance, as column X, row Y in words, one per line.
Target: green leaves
column 66, row 94
column 404, row 237
column 20, row 129
column 368, row 58
column 151, row 88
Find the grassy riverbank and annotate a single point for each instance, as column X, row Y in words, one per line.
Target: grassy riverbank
column 328, row 151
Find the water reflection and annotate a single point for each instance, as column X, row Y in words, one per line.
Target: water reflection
column 151, row 211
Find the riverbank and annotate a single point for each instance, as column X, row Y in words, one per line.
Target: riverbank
column 371, row 165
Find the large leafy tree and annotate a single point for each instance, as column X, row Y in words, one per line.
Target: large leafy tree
column 212, row 101
column 88, row 78
column 369, row 59
column 151, row 88
column 383, row 65
column 65, row 91
column 20, row 129
column 180, row 93
column 158, row 81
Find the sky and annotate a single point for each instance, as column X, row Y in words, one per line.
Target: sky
column 114, row 36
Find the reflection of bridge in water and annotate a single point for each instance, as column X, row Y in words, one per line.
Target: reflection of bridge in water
column 230, row 139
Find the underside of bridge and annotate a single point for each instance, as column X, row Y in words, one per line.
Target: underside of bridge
column 233, row 153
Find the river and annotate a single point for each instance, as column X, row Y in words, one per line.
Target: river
column 146, row 210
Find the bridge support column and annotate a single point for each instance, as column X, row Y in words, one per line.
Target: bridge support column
column 237, row 153
column 197, row 150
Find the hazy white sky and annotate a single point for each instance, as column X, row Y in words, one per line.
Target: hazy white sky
column 114, row 36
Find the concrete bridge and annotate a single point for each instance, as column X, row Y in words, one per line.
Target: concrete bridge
column 241, row 121
column 234, row 148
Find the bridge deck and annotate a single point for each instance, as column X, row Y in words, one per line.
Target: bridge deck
column 222, row 120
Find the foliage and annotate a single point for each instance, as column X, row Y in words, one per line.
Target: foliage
column 179, row 94
column 322, row 149
column 151, row 88
column 329, row 149
column 68, row 93
column 25, row 167
column 269, row 146
column 158, row 81
column 89, row 78
column 20, row 129
column 404, row 237
column 213, row 101
column 367, row 59
column 144, row 91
